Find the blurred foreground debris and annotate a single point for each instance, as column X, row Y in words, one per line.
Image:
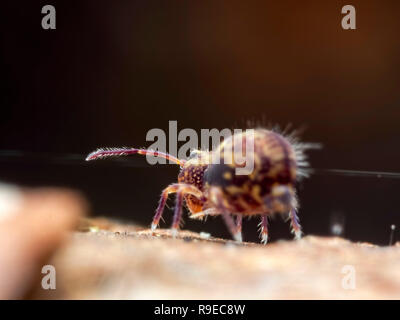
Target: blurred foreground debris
column 33, row 223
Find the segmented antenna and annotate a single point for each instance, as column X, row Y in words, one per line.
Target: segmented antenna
column 116, row 152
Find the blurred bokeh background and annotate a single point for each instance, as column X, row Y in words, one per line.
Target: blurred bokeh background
column 112, row 70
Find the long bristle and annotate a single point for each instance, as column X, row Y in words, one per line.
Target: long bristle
column 300, row 149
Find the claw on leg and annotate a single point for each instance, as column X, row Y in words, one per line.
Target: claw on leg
column 295, row 224
column 238, row 237
column 264, row 229
column 174, row 232
column 159, row 211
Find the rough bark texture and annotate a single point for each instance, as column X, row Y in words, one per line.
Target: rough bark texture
column 114, row 260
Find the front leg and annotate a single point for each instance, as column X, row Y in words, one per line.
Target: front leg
column 177, row 213
column 173, row 188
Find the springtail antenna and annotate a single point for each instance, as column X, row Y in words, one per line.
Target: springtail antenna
column 115, row 152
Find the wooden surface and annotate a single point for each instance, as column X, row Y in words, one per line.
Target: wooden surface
column 126, row 262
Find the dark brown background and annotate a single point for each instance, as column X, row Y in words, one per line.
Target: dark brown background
column 112, row 70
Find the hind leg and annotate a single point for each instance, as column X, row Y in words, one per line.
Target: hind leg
column 239, row 219
column 295, row 224
column 235, row 228
column 264, row 229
